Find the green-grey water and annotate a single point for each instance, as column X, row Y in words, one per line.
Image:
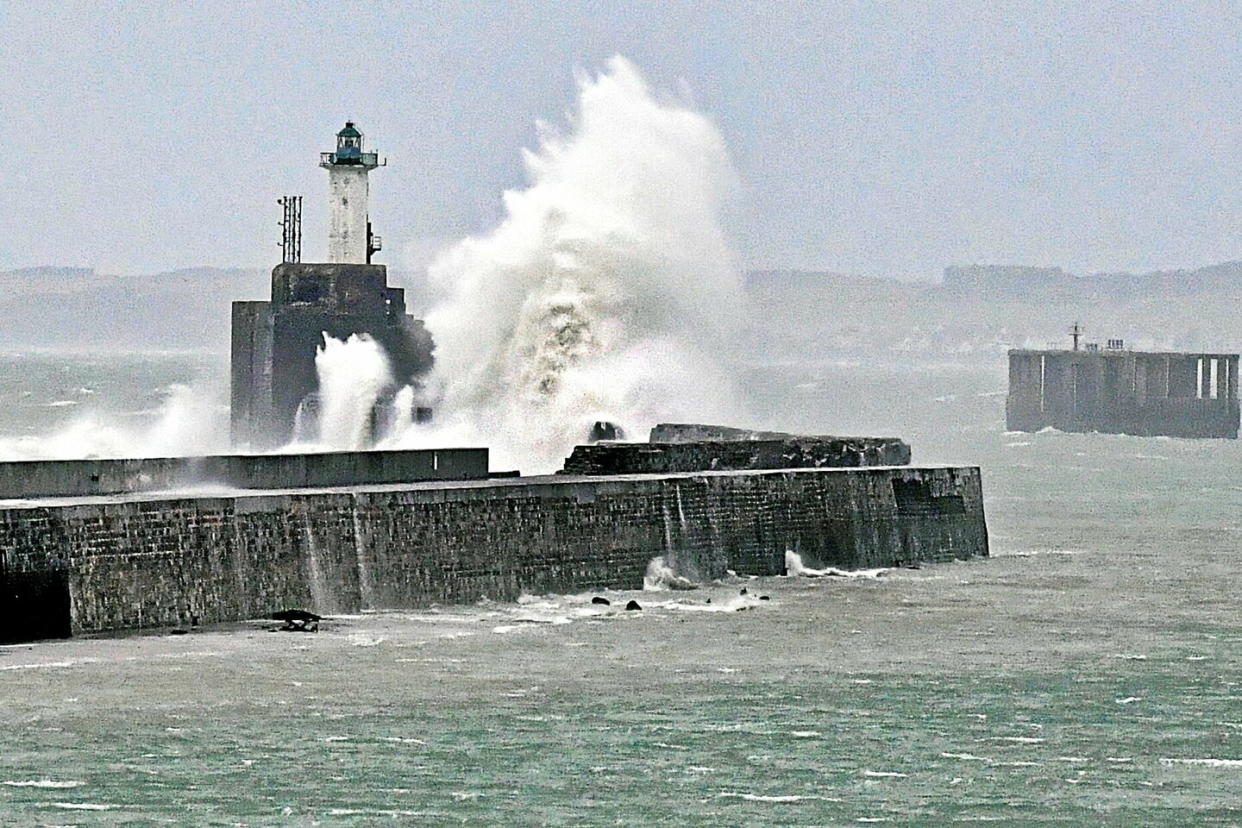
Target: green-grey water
column 1090, row 672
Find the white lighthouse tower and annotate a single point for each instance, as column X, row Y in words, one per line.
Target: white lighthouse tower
column 349, row 228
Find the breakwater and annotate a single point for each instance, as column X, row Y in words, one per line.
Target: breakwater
column 96, row 564
column 76, row 478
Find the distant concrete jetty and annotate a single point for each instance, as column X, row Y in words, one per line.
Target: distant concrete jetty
column 148, row 559
column 1117, row 391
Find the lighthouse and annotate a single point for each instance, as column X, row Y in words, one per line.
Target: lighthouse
column 274, row 381
column 349, row 228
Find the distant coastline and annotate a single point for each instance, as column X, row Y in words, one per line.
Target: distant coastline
column 976, row 311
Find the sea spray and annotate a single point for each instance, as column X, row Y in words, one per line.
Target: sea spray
column 607, row 292
column 191, row 419
column 661, row 576
column 352, row 375
column 794, row 566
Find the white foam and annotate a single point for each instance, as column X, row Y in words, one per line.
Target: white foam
column 795, row 566
column 660, row 576
column 42, row 783
column 46, row 665
column 1030, row 553
column 1208, row 763
column 737, row 603
column 885, row 774
column 775, row 798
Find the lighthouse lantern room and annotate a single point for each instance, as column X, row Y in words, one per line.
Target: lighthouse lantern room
column 349, row 228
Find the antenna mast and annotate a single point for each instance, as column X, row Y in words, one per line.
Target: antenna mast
column 291, row 229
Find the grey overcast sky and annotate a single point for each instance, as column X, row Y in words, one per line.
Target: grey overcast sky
column 873, row 138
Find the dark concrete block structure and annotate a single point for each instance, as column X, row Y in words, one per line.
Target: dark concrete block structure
column 1124, row 392
column 274, row 342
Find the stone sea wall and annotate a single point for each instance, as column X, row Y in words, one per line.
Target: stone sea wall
column 141, row 561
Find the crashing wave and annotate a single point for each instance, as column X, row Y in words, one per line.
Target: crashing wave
column 661, row 576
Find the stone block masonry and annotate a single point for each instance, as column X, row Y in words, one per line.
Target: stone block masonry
column 700, row 432
column 751, row 453
column 112, row 563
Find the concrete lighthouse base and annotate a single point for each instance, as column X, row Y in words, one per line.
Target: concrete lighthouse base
column 274, row 342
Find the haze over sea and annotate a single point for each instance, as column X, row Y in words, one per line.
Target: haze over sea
column 1091, row 670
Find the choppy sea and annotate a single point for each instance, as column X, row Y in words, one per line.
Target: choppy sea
column 1089, row 672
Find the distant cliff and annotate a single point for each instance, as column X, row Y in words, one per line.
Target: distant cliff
column 982, row 310
column 78, row 308
column 978, row 310
column 1017, row 282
